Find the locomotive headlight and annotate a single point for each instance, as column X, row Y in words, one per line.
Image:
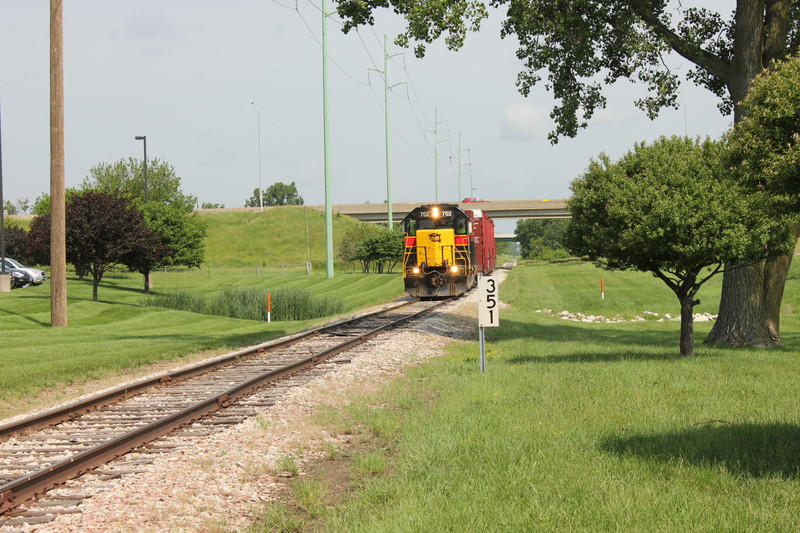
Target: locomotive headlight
column 454, row 269
column 415, row 270
column 435, row 212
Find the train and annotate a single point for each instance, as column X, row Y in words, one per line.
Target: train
column 445, row 248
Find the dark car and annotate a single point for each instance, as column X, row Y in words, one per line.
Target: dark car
column 34, row 275
column 19, row 278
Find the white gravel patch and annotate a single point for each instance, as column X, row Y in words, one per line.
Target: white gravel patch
column 222, row 481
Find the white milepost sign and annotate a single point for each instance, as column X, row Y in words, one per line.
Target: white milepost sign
column 488, row 308
column 488, row 311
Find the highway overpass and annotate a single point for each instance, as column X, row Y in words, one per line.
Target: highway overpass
column 497, row 209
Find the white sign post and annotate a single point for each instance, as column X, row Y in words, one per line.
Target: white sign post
column 488, row 311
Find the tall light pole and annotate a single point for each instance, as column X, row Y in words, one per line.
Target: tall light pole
column 143, row 138
column 2, row 215
column 260, row 193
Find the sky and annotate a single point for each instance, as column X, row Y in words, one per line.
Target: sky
column 198, row 78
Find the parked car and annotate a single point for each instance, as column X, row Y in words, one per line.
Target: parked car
column 474, row 200
column 36, row 276
column 19, row 278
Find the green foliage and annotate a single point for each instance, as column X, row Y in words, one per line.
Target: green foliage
column 354, row 237
column 211, row 205
column 381, row 251
column 542, row 238
column 181, row 231
column 585, row 45
column 667, row 208
column 9, row 208
column 102, row 231
column 763, row 150
column 41, row 206
column 15, row 241
column 126, row 178
column 276, row 194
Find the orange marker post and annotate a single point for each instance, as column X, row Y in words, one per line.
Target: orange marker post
column 269, row 307
column 602, row 289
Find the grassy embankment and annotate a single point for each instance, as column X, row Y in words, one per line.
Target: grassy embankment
column 574, row 426
column 119, row 336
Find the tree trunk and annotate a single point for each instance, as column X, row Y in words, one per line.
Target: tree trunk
column 147, row 282
column 743, row 318
column 687, row 324
column 749, row 308
column 95, row 284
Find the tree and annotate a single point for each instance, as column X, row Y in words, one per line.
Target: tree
column 668, row 208
column 102, row 230
column 541, row 238
column 37, row 242
column 276, row 194
column 586, row 44
column 9, row 208
column 763, row 152
column 41, row 206
column 352, row 240
column 183, row 233
column 15, row 239
column 381, row 251
column 211, row 205
column 126, row 178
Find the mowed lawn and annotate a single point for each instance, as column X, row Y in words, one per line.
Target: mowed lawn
column 576, row 426
column 118, row 334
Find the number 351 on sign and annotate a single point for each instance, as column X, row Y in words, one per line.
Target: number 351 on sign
column 488, row 302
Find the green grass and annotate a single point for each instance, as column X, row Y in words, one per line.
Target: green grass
column 277, row 236
column 119, row 333
column 584, row 427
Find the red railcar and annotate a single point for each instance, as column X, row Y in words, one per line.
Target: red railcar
column 445, row 249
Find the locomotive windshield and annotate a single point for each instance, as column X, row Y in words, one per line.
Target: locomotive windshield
column 424, row 221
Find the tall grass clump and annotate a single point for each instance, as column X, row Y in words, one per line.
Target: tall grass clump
column 288, row 303
column 179, row 300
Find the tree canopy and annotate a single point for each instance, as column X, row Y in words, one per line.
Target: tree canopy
column 541, row 238
column 668, row 208
column 126, row 178
column 276, row 194
column 583, row 45
column 763, row 150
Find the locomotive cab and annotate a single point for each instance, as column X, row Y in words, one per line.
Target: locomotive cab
column 439, row 258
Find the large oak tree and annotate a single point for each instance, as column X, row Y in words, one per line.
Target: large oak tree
column 581, row 46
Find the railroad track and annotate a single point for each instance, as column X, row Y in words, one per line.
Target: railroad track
column 41, row 452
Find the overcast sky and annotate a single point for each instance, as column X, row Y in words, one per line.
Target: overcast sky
column 184, row 73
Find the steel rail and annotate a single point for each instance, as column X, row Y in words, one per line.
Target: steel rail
column 61, row 414
column 14, row 493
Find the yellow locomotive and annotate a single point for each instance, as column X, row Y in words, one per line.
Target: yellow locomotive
column 445, row 249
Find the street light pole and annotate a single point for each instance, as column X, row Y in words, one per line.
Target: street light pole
column 260, row 190
column 144, row 139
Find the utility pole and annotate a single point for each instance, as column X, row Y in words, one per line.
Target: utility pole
column 326, row 145
column 436, row 142
column 58, row 240
column 386, row 88
column 458, row 157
